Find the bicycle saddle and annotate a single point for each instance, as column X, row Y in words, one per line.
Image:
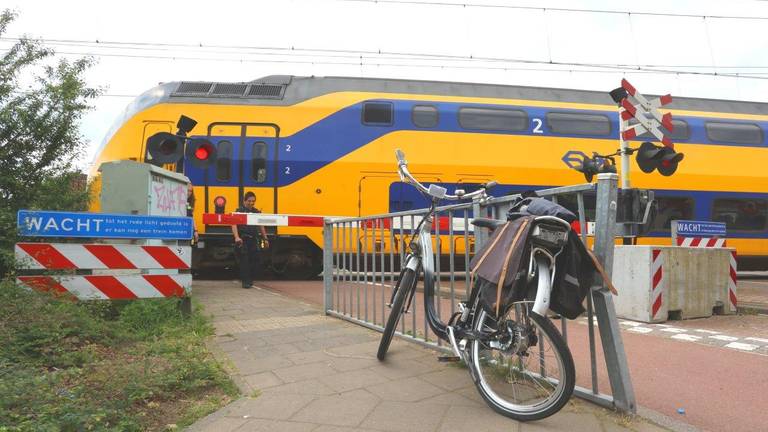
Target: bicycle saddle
column 488, row 223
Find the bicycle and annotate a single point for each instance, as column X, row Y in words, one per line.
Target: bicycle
column 497, row 347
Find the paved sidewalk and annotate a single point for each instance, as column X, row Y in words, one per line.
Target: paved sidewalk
column 303, row 371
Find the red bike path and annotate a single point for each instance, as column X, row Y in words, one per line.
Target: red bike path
column 718, row 389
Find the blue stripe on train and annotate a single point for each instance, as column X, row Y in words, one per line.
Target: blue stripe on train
column 343, row 132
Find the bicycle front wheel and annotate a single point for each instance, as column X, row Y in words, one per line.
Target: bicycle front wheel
column 402, row 291
column 528, row 385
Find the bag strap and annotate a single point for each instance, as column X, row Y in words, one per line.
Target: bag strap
column 601, row 270
column 506, row 264
column 485, row 255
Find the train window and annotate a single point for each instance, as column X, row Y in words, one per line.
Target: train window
column 669, row 209
column 259, row 162
column 493, row 119
column 741, row 214
column 377, row 113
column 224, row 161
column 424, row 116
column 578, row 123
column 738, row 133
column 680, row 131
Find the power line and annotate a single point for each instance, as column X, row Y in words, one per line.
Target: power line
column 554, row 9
column 369, row 58
column 341, row 53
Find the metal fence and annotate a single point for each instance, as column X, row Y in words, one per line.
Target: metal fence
column 362, row 258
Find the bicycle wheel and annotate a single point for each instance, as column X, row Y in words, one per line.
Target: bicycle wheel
column 402, row 292
column 528, row 384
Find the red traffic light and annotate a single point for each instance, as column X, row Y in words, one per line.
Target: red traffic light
column 200, row 152
column 651, row 157
column 219, row 203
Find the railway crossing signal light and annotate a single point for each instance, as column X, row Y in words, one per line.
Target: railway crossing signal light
column 651, row 157
column 200, row 153
column 164, row 148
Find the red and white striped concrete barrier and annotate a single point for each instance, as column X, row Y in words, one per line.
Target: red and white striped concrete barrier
column 657, row 282
column 70, row 256
column 106, row 287
column 732, row 301
column 701, row 242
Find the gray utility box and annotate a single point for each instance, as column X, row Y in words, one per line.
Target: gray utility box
column 130, row 187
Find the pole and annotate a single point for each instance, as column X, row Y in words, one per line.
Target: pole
column 624, row 146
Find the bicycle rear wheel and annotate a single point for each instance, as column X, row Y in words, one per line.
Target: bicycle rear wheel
column 528, row 385
column 403, row 290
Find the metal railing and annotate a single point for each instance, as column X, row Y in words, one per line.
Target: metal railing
column 362, row 258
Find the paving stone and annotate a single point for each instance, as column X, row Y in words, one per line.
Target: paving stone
column 451, row 398
column 449, row 378
column 401, row 369
column 308, row 387
column 303, row 357
column 480, row 418
column 564, row 421
column 342, row 429
column 221, row 424
column 343, row 364
column 346, row 409
column 260, row 425
column 262, row 380
column 305, row 371
column 405, row 416
column 346, row 381
column 251, row 365
column 405, row 390
column 275, row 406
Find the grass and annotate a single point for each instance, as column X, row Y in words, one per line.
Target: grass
column 78, row 366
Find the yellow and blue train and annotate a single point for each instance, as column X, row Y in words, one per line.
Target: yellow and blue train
column 325, row 145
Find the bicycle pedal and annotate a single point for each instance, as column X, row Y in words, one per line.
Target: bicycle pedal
column 448, row 359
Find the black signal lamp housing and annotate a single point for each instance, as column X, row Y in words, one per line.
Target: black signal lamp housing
column 619, row 94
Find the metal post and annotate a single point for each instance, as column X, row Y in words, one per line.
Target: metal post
column 610, row 335
column 327, row 265
column 624, row 146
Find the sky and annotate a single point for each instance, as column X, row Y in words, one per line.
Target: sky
column 693, row 48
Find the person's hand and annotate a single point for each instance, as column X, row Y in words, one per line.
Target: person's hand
column 195, row 237
column 266, row 243
column 238, row 241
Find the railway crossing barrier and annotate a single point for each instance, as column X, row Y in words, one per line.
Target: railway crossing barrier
column 362, row 256
column 140, row 251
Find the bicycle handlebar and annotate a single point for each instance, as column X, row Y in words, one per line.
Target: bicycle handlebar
column 434, row 190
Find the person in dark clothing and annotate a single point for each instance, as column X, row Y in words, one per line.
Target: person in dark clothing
column 249, row 239
column 191, row 210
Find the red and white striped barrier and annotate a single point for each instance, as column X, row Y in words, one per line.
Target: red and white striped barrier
column 69, row 256
column 657, row 282
column 732, row 301
column 701, row 242
column 265, row 219
column 104, row 287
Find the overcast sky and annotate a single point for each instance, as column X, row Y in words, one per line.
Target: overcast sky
column 143, row 43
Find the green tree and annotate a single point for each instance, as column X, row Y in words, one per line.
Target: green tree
column 42, row 100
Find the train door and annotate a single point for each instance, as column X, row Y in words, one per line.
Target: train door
column 245, row 161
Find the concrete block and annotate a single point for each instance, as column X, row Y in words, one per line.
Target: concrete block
column 655, row 282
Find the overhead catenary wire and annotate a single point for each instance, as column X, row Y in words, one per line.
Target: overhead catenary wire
column 371, row 58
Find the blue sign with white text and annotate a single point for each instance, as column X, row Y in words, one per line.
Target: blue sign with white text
column 700, row 229
column 35, row 223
